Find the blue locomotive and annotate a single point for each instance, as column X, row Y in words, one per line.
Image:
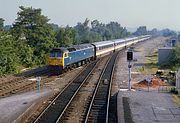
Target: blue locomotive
column 76, row 55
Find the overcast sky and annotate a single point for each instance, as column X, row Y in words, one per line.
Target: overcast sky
column 129, row 13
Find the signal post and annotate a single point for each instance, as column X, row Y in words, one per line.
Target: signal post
column 129, row 59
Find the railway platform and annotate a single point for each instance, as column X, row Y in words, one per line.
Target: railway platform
column 14, row 108
column 147, row 107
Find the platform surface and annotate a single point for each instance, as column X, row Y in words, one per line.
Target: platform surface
column 147, row 107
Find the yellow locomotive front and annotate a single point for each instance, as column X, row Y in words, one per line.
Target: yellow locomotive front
column 56, row 61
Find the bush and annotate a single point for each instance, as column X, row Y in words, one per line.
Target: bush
column 173, row 90
column 172, row 81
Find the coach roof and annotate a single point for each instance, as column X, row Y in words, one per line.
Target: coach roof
column 102, row 43
column 79, row 47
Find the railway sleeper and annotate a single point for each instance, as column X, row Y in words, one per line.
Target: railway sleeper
column 98, row 108
column 99, row 104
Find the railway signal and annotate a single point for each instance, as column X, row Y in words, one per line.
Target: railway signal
column 129, row 55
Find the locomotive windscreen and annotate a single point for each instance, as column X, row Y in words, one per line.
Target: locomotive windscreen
column 56, row 53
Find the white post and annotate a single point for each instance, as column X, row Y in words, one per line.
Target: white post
column 148, row 84
column 177, row 81
column 129, row 80
column 39, row 83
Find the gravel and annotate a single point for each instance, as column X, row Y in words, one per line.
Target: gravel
column 77, row 109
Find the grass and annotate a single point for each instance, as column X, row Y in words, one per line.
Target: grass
column 151, row 63
column 176, row 98
column 138, row 50
column 152, row 58
column 150, row 66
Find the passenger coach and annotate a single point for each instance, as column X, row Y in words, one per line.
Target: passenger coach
column 103, row 47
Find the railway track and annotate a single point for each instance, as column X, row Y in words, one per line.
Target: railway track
column 20, row 84
column 99, row 106
column 57, row 107
column 16, row 87
column 23, row 84
column 77, row 109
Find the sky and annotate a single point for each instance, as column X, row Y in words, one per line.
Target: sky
column 129, row 13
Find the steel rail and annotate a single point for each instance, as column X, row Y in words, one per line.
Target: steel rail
column 110, row 88
column 94, row 93
column 108, row 66
column 76, row 92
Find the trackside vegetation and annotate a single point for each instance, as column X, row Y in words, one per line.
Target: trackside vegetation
column 174, row 63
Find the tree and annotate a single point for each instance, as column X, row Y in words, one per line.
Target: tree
column 168, row 32
column 7, row 27
column 32, row 26
column 82, row 31
column 116, row 30
column 24, row 53
column 93, row 37
column 112, row 30
column 175, row 58
column 1, row 23
column 153, row 32
column 141, row 31
column 65, row 36
column 8, row 57
column 100, row 29
column 94, row 24
column 55, row 27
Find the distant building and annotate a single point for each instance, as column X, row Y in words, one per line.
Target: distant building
column 164, row 54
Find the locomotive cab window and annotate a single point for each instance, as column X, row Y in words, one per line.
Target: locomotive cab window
column 56, row 53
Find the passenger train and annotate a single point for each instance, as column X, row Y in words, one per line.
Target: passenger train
column 76, row 55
